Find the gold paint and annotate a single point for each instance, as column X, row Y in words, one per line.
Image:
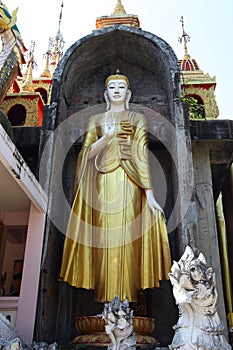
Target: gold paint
column 46, row 72
column 225, row 260
column 31, row 107
column 208, row 97
column 114, row 244
column 5, row 22
column 125, row 143
column 42, row 84
column 119, row 9
column 27, row 85
column 117, row 76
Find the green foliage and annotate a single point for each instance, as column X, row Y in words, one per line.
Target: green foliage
column 196, row 109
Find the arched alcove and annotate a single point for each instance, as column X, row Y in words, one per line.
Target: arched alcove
column 78, row 83
column 148, row 61
column 44, row 94
column 196, row 106
column 17, row 115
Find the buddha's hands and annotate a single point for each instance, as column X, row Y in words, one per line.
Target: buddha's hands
column 109, row 130
column 98, row 146
column 153, row 204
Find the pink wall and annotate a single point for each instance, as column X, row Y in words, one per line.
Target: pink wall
column 11, row 219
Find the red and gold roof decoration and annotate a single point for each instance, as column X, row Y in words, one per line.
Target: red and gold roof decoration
column 31, row 94
column 119, row 16
column 189, row 65
column 196, row 83
column 32, row 102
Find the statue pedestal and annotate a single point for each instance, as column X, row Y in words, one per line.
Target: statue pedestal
column 92, row 332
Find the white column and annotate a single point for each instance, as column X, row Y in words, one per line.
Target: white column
column 207, row 237
column 31, row 274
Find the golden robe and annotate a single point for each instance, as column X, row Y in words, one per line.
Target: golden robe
column 114, row 244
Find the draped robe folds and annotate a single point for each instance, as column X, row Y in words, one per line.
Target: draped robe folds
column 114, row 244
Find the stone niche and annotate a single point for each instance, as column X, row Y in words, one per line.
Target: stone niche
column 147, row 60
column 78, row 86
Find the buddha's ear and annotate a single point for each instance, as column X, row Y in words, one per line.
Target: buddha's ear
column 107, row 100
column 128, row 96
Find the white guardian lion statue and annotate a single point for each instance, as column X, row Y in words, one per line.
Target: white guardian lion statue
column 194, row 289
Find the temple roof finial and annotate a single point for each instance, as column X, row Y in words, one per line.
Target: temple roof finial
column 119, row 16
column 60, row 18
column 184, row 39
column 57, row 44
column 119, row 9
column 27, row 85
column 46, row 72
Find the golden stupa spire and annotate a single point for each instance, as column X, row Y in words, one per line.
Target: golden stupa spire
column 27, row 85
column 46, row 72
column 184, row 39
column 119, row 16
column 119, row 9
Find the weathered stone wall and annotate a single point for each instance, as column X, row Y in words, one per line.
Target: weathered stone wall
column 212, row 150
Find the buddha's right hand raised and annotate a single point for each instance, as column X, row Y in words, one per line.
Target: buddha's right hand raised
column 96, row 147
column 109, row 130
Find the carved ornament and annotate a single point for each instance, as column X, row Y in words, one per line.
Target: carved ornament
column 194, row 289
column 31, row 107
column 208, row 97
column 46, row 86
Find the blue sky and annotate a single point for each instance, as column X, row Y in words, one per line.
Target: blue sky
column 208, row 22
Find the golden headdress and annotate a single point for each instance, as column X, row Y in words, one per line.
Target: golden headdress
column 117, row 76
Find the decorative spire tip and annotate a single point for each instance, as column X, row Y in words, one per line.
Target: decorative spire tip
column 184, row 39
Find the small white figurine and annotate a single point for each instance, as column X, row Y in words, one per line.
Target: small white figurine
column 119, row 325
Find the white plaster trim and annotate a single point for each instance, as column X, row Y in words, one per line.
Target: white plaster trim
column 9, row 303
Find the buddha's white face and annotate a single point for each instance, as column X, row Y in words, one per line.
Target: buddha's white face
column 117, row 91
